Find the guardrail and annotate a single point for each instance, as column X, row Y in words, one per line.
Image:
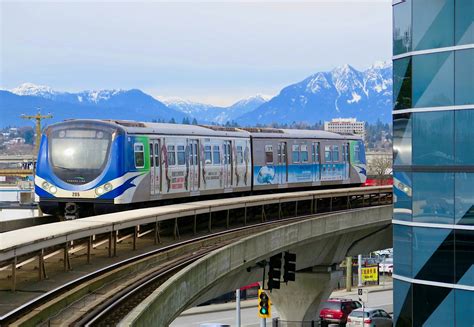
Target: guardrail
column 33, row 240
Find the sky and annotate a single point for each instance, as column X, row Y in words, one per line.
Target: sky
column 211, row 52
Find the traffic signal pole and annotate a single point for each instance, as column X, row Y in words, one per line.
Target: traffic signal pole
column 237, row 311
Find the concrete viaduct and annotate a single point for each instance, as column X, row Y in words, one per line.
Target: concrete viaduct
column 319, row 242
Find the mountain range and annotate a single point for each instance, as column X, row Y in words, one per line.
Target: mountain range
column 342, row 92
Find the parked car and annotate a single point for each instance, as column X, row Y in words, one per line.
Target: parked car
column 336, row 311
column 386, row 266
column 369, row 317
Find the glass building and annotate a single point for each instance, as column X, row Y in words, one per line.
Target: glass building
column 433, row 123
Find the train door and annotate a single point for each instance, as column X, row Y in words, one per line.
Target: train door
column 316, row 162
column 228, row 164
column 282, row 164
column 345, row 159
column 155, row 167
column 193, row 161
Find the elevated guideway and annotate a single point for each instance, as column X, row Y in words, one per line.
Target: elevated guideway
column 39, row 245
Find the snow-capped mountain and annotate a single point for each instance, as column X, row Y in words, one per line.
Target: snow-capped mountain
column 100, row 104
column 206, row 113
column 342, row 92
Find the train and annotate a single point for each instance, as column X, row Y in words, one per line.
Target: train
column 87, row 167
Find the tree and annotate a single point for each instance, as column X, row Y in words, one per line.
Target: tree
column 194, row 122
column 381, row 165
column 172, row 121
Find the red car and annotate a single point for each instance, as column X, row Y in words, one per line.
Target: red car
column 335, row 311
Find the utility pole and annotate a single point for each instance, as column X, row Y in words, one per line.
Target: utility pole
column 38, row 117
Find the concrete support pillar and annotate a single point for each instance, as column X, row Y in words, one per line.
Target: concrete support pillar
column 300, row 300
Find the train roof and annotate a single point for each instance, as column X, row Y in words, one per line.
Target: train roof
column 135, row 127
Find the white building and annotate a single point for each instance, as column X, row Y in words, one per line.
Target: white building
column 345, row 126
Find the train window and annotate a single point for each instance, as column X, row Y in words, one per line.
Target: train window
column 157, row 155
column 227, row 152
column 296, row 153
column 208, row 154
column 139, row 150
column 268, row 154
column 171, row 155
column 216, row 155
column 152, row 163
column 181, row 155
column 335, row 153
column 327, row 153
column 345, row 152
column 304, row 153
column 240, row 154
column 356, row 152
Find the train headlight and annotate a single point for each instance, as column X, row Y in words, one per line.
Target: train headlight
column 108, row 187
column 53, row 189
column 99, row 190
column 45, row 185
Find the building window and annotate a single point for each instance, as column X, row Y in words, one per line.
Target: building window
column 402, row 190
column 433, row 306
column 464, row 302
column 433, row 80
column 402, row 83
column 464, row 247
column 402, row 303
column 464, row 25
column 402, row 139
column 171, row 155
column 269, row 154
column 432, row 203
column 433, row 254
column 433, row 24
column 402, row 248
column 181, row 155
column 402, row 27
column 327, row 153
column 139, row 150
column 296, row 153
column 433, row 138
column 304, row 153
column 464, row 202
column 464, row 76
column 216, row 155
column 208, row 154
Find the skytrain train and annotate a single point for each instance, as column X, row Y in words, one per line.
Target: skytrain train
column 87, row 167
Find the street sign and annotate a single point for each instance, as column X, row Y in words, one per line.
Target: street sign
column 370, row 274
column 363, row 295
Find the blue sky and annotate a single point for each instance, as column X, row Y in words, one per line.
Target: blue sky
column 214, row 52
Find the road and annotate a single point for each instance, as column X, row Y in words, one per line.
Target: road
column 381, row 299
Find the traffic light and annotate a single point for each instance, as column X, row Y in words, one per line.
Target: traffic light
column 264, row 305
column 274, row 272
column 289, row 267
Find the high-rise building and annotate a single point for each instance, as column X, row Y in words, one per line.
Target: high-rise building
column 345, row 126
column 433, row 123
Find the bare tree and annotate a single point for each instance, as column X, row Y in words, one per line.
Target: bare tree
column 381, row 165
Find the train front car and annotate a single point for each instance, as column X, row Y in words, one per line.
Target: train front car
column 80, row 167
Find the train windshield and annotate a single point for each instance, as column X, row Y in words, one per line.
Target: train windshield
column 79, row 155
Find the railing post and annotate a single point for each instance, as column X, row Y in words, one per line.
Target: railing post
column 135, row 232
column 176, row 229
column 210, row 221
column 157, row 233
column 227, row 219
column 67, row 263
column 195, row 223
column 110, row 244
column 14, row 274
column 115, row 243
column 89, row 247
column 296, row 208
column 245, row 215
column 41, row 268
